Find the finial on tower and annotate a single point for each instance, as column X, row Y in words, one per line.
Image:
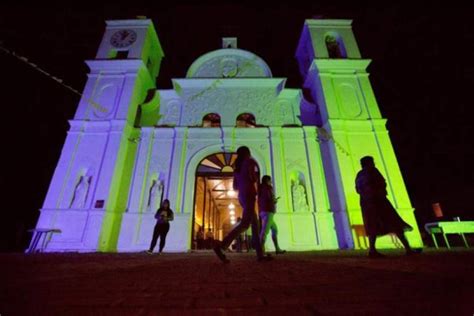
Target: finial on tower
column 229, row 42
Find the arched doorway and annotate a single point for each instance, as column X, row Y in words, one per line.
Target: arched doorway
column 216, row 206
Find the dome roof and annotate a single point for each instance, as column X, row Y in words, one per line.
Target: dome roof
column 229, row 63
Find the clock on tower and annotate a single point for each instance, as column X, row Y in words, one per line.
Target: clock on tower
column 123, row 38
column 132, row 39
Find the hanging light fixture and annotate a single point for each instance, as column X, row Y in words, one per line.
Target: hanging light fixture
column 231, row 212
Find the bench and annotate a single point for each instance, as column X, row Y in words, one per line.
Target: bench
column 455, row 227
column 46, row 233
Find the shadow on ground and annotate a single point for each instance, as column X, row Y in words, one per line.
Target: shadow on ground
column 311, row 283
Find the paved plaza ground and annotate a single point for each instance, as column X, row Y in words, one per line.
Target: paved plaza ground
column 303, row 283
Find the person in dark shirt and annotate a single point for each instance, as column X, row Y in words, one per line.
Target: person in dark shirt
column 163, row 216
column 245, row 181
column 380, row 218
column 200, row 238
column 209, row 239
column 267, row 209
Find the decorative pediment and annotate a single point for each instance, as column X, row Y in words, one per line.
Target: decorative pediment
column 229, row 63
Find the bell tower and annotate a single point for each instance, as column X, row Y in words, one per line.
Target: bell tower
column 336, row 76
column 128, row 48
column 99, row 151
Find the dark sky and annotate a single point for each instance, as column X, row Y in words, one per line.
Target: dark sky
column 422, row 74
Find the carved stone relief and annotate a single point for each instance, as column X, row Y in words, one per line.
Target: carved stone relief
column 229, row 66
column 171, row 113
column 229, row 103
column 349, row 101
column 298, row 164
column 103, row 102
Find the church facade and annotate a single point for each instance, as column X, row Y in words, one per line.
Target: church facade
column 131, row 145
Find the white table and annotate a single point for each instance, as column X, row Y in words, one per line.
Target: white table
column 46, row 233
column 455, row 227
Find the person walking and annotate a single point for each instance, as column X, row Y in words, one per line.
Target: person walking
column 245, row 181
column 240, row 238
column 163, row 216
column 267, row 208
column 380, row 218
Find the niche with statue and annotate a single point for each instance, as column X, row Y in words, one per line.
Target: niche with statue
column 298, row 192
column 155, row 193
column 81, row 190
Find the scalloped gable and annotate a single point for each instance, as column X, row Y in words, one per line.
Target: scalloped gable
column 229, row 63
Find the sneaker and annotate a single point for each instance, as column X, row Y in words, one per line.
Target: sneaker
column 217, row 249
column 149, row 252
column 280, row 252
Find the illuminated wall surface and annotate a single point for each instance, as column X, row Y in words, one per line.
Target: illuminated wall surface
column 129, row 142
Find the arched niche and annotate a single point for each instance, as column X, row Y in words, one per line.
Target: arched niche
column 245, row 120
column 211, row 120
column 335, row 46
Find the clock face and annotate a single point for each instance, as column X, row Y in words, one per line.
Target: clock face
column 123, row 38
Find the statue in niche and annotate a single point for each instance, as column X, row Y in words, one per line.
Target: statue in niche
column 333, row 46
column 80, row 192
column 299, row 197
column 154, row 198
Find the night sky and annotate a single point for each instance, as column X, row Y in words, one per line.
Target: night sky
column 422, row 74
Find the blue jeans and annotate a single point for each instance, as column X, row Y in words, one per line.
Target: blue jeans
column 268, row 223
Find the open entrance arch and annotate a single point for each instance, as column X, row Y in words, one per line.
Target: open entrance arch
column 216, row 206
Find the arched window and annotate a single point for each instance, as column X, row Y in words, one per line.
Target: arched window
column 211, row 120
column 217, row 164
column 335, row 46
column 246, row 120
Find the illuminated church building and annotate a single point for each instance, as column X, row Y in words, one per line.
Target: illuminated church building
column 131, row 145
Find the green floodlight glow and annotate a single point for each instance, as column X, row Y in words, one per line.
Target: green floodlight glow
column 310, row 148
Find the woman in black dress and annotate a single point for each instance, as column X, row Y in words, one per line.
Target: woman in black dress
column 380, row 218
